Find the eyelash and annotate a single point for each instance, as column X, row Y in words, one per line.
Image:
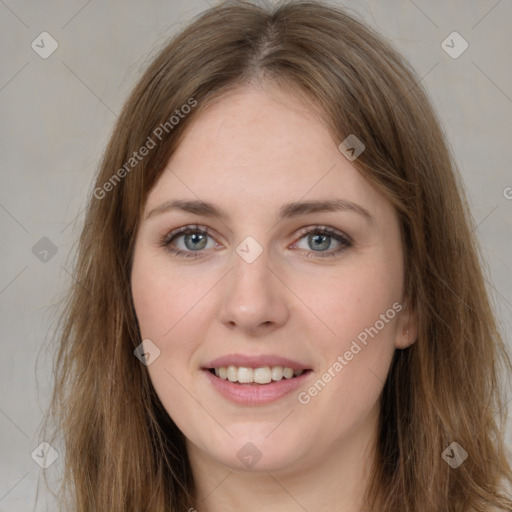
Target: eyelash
column 345, row 240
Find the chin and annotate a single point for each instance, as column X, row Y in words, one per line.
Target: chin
column 259, row 453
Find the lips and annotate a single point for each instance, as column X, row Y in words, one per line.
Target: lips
column 255, row 380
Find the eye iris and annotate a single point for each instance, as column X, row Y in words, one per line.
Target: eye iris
column 195, row 237
column 324, row 237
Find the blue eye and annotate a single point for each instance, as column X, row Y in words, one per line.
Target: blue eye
column 321, row 237
column 195, row 239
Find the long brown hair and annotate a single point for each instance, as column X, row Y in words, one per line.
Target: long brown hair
column 122, row 451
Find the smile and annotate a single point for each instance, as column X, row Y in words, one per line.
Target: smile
column 252, row 393
column 262, row 375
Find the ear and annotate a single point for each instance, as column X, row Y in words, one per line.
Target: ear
column 407, row 328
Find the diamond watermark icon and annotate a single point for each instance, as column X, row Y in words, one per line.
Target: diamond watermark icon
column 351, row 147
column 45, row 455
column 454, row 45
column 44, row 45
column 249, row 250
column 454, row 455
column 44, row 250
column 249, row 454
column 147, row 352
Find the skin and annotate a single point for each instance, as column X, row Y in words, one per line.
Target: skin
column 250, row 152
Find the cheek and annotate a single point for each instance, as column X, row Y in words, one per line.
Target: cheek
column 161, row 306
column 361, row 308
column 171, row 311
column 354, row 299
column 160, row 299
column 164, row 306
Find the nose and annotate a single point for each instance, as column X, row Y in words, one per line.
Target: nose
column 256, row 299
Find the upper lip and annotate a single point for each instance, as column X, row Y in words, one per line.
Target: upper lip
column 256, row 361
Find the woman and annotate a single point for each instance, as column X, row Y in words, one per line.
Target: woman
column 279, row 302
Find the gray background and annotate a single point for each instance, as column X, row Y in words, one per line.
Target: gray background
column 56, row 115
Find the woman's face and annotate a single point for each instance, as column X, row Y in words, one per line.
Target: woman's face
column 258, row 294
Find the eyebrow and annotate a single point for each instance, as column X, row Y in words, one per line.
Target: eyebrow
column 287, row 211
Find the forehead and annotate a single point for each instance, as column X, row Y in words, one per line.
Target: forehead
column 257, row 148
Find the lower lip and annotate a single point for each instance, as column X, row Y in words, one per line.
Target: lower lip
column 256, row 394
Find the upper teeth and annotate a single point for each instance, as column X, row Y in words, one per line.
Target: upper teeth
column 262, row 375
